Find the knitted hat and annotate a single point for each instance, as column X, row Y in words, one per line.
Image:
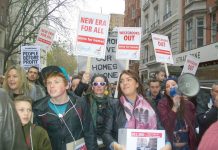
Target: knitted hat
column 174, row 78
column 209, row 140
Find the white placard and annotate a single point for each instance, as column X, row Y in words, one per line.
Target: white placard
column 30, row 56
column 134, row 139
column 191, row 65
column 162, row 48
column 128, row 43
column 45, row 38
column 109, row 66
column 92, row 34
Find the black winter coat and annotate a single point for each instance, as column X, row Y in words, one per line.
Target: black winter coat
column 76, row 116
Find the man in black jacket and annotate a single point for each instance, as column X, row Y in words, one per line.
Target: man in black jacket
column 207, row 109
column 11, row 135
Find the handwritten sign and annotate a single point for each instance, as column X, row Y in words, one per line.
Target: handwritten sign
column 92, row 34
column 128, row 43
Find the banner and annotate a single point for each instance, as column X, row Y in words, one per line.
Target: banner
column 162, row 48
column 92, row 34
column 45, row 38
column 128, row 43
column 191, row 65
column 30, row 56
column 108, row 66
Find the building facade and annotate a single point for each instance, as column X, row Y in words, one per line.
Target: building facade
column 161, row 17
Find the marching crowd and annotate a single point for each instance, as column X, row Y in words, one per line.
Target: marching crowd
column 47, row 110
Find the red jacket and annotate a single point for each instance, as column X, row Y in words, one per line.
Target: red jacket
column 168, row 119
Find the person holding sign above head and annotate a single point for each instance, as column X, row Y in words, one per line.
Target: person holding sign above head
column 178, row 117
column 16, row 83
column 65, row 116
column 132, row 111
column 99, row 102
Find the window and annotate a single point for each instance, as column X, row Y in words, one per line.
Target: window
column 146, row 24
column 156, row 14
column 133, row 12
column 200, row 31
column 145, row 58
column 213, row 28
column 167, row 9
column 189, row 35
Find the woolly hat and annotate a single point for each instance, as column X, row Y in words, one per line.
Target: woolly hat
column 209, row 140
column 174, row 78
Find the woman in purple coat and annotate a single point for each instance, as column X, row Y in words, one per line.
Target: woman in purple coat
column 178, row 117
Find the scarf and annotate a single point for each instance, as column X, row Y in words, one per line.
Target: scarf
column 139, row 116
column 94, row 100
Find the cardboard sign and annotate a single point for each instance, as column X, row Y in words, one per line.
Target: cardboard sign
column 162, row 48
column 134, row 139
column 128, row 43
column 109, row 65
column 92, row 34
column 45, row 38
column 191, row 65
column 30, row 56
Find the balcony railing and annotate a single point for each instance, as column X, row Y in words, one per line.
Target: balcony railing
column 167, row 15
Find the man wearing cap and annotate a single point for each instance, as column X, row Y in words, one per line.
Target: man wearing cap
column 65, row 116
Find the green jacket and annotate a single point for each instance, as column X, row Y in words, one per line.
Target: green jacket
column 39, row 135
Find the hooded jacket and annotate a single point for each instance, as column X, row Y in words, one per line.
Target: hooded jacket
column 11, row 135
column 77, row 119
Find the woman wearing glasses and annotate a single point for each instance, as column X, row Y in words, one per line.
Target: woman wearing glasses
column 99, row 101
column 132, row 111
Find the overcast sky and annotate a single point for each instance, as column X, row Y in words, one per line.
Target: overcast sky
column 106, row 6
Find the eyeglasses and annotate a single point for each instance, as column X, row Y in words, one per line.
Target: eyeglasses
column 99, row 83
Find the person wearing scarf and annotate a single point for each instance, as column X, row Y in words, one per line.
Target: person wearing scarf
column 99, row 101
column 132, row 111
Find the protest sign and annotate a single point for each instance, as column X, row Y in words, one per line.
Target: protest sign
column 162, row 48
column 92, row 34
column 30, row 56
column 108, row 66
column 191, row 65
column 45, row 38
column 137, row 139
column 128, row 43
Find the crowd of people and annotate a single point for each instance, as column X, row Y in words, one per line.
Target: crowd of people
column 47, row 110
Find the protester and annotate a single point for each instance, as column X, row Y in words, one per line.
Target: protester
column 178, row 117
column 33, row 76
column 131, row 111
column 99, row 102
column 160, row 75
column 36, row 137
column 65, row 116
column 16, row 83
column 11, row 135
column 154, row 94
column 209, row 140
column 207, row 109
column 80, row 83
